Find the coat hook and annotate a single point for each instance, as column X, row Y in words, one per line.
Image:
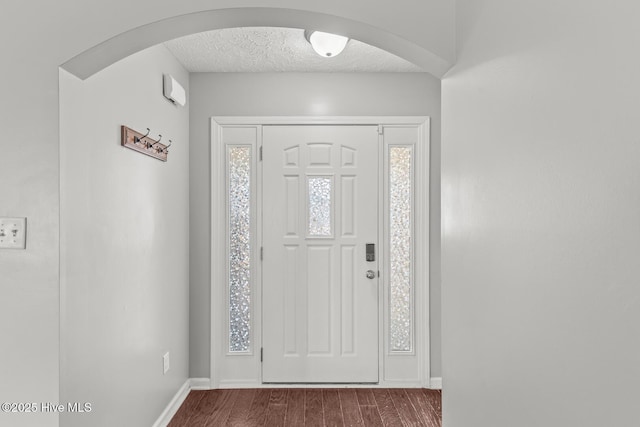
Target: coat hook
column 166, row 149
column 157, row 142
column 143, row 144
column 136, row 139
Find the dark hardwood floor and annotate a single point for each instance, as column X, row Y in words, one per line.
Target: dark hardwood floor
column 310, row 407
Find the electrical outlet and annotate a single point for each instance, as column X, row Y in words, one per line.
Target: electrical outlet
column 165, row 363
column 13, row 233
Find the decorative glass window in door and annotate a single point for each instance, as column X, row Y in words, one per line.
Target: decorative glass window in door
column 319, row 205
column 401, row 248
column 239, row 247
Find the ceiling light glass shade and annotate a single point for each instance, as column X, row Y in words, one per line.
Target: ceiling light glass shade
column 325, row 44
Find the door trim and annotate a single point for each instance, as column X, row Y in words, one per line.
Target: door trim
column 250, row 361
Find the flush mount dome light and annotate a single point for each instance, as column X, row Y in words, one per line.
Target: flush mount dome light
column 326, row 44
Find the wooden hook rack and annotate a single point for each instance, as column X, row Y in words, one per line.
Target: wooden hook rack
column 142, row 143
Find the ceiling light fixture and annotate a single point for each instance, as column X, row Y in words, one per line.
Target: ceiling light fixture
column 326, row 44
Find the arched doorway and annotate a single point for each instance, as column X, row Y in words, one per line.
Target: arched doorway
column 110, row 51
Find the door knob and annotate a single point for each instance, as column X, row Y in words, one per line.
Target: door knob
column 370, row 274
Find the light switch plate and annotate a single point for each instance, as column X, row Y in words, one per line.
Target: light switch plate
column 13, row 233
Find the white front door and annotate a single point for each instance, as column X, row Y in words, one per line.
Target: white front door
column 320, row 211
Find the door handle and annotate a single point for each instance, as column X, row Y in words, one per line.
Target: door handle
column 371, row 274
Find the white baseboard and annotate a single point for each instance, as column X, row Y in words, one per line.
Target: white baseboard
column 200, row 383
column 382, row 385
column 178, row 399
column 435, row 383
column 174, row 405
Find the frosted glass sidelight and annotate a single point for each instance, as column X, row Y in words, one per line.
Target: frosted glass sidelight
column 320, row 206
column 239, row 181
column 400, row 248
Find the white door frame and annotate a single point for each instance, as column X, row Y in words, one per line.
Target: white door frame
column 229, row 370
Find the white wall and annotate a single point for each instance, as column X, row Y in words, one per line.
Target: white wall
column 298, row 94
column 541, row 215
column 36, row 40
column 125, row 243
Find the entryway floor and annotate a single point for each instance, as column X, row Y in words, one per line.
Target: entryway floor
column 310, row 407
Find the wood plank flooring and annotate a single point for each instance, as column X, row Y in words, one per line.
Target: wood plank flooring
column 310, row 407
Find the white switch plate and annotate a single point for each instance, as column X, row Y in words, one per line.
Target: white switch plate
column 165, row 363
column 13, row 233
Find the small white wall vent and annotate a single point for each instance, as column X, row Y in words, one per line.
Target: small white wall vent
column 174, row 91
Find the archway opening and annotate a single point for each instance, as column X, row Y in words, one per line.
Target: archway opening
column 121, row 46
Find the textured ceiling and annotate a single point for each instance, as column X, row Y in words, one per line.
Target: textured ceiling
column 269, row 49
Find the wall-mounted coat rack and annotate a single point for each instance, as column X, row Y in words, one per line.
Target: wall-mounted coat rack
column 144, row 144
